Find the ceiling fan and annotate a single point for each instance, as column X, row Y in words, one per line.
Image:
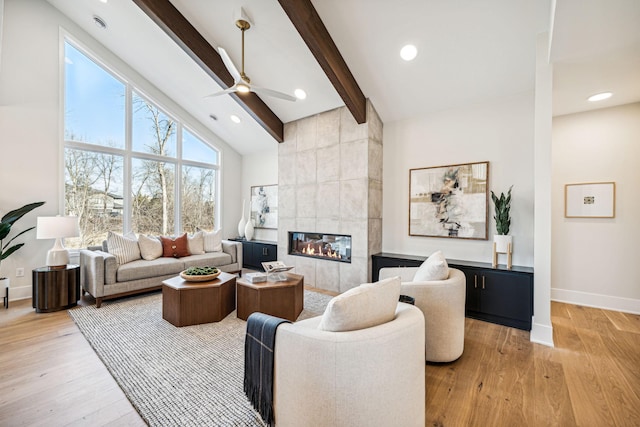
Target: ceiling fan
column 242, row 82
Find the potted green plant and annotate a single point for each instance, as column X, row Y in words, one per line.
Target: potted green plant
column 502, row 216
column 6, row 223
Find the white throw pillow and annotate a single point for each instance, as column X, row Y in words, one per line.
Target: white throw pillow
column 433, row 268
column 195, row 242
column 212, row 240
column 365, row 306
column 150, row 247
column 124, row 248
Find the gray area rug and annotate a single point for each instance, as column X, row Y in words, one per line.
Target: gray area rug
column 189, row 376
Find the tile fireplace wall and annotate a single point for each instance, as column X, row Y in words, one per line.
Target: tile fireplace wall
column 330, row 181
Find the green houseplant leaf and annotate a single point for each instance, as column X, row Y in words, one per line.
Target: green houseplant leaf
column 7, row 222
column 502, row 216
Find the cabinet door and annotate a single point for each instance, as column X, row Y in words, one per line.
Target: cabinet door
column 506, row 295
column 473, row 291
column 247, row 255
column 265, row 252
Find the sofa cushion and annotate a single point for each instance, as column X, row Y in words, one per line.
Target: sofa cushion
column 175, row 248
column 195, row 243
column 150, row 247
column 433, row 268
column 210, row 259
column 212, row 240
column 124, row 248
column 365, row 306
column 143, row 269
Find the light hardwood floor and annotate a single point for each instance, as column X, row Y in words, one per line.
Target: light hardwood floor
column 49, row 375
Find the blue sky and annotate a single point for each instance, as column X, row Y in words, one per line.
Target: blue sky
column 95, row 110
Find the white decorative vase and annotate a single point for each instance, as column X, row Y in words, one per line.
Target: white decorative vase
column 248, row 230
column 504, row 243
column 243, row 222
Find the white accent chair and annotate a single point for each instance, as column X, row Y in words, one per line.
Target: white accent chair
column 367, row 377
column 443, row 304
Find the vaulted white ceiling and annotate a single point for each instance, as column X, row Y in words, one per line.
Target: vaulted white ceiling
column 468, row 52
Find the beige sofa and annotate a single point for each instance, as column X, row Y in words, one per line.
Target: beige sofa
column 103, row 278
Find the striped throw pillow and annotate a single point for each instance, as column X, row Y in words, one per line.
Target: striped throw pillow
column 124, row 248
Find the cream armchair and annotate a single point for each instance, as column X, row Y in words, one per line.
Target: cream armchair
column 367, row 377
column 442, row 302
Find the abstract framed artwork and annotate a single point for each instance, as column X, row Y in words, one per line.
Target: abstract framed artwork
column 449, row 201
column 264, row 206
column 590, row 200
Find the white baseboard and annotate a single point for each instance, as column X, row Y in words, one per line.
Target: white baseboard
column 606, row 302
column 20, row 292
column 541, row 334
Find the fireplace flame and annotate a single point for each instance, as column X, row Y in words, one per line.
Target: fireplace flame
column 310, row 250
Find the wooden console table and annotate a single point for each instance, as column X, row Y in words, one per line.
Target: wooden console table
column 496, row 295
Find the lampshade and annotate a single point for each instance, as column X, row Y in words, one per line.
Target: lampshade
column 57, row 227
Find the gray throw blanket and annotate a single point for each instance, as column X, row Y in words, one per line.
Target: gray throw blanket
column 259, row 346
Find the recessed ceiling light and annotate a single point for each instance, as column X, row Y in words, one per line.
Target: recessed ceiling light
column 408, row 52
column 104, row 1
column 600, row 96
column 235, row 119
column 300, row 94
column 100, row 23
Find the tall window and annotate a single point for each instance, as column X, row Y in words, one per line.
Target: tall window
column 129, row 165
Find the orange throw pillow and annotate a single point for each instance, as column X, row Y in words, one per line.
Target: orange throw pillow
column 175, row 248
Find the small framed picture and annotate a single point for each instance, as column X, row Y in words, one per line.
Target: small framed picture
column 264, row 206
column 590, row 200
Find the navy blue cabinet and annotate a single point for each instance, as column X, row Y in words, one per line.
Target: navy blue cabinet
column 255, row 252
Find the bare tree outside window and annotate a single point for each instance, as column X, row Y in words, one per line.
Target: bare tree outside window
column 93, row 192
column 198, row 201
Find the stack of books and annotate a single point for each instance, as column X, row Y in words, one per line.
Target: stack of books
column 255, row 277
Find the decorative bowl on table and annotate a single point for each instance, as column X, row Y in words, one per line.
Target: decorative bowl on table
column 200, row 274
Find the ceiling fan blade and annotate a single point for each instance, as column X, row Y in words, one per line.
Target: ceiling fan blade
column 273, row 93
column 229, row 64
column 222, row 92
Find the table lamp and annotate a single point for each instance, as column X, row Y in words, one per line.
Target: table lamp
column 57, row 227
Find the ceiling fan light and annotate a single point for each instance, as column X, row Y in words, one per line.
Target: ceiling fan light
column 408, row 52
column 600, row 96
column 242, row 88
column 300, row 94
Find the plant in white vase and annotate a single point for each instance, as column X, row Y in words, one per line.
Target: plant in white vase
column 502, row 216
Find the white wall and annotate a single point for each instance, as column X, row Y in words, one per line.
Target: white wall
column 501, row 132
column 258, row 169
column 594, row 260
column 30, row 126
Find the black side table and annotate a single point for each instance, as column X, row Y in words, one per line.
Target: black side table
column 56, row 289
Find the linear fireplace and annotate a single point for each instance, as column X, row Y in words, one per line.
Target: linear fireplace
column 332, row 247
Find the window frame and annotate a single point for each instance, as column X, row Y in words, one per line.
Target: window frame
column 128, row 153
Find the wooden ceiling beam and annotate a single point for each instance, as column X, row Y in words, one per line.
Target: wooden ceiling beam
column 312, row 30
column 172, row 22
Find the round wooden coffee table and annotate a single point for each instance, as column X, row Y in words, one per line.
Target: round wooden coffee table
column 282, row 299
